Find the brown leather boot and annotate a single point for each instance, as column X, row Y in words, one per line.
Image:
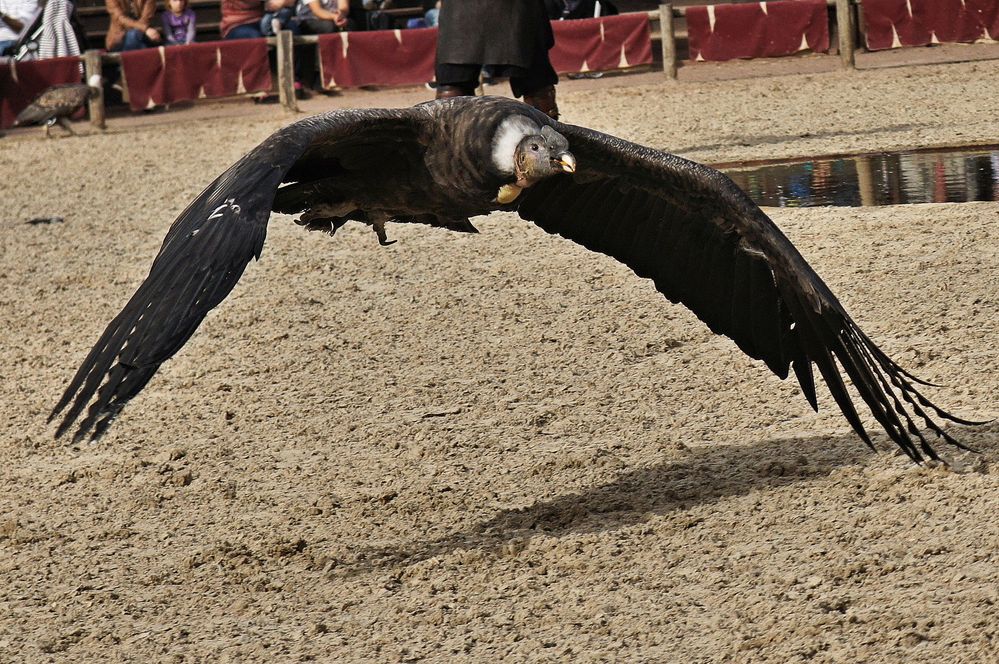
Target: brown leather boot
column 448, row 91
column 544, row 101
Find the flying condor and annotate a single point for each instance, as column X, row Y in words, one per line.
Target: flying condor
column 685, row 226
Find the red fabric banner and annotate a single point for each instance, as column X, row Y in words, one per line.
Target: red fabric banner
column 597, row 44
column 379, row 57
column 169, row 74
column 897, row 23
column 22, row 82
column 757, row 30
column 406, row 57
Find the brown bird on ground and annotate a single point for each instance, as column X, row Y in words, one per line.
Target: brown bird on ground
column 56, row 104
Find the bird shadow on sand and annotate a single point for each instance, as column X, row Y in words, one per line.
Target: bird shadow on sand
column 699, row 476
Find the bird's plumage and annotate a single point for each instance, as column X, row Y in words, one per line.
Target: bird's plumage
column 59, row 101
column 685, row 226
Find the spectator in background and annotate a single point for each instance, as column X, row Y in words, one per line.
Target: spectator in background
column 319, row 17
column 178, row 23
column 430, row 17
column 241, row 19
column 371, row 15
column 274, row 22
column 14, row 16
column 130, row 27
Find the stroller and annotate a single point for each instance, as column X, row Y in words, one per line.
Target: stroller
column 27, row 41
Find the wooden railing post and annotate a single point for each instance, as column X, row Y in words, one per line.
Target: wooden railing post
column 286, row 70
column 667, row 34
column 91, row 68
column 846, row 27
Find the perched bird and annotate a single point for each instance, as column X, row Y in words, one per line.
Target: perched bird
column 701, row 240
column 56, row 104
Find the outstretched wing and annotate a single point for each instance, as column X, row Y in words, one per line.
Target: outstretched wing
column 707, row 245
column 208, row 247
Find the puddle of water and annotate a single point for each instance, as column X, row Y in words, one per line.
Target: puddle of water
column 930, row 176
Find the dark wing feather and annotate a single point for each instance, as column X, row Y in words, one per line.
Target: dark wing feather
column 33, row 113
column 707, row 245
column 204, row 255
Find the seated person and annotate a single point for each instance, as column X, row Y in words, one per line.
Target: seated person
column 274, row 22
column 14, row 17
column 178, row 23
column 241, row 19
column 130, row 27
column 319, row 17
column 430, row 17
column 431, row 9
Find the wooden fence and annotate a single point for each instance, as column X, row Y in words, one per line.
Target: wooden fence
column 662, row 25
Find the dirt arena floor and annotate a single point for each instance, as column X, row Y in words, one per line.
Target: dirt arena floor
column 497, row 447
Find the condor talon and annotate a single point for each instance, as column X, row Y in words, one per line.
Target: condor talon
column 379, row 226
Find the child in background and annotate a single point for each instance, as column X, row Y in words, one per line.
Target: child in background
column 178, row 23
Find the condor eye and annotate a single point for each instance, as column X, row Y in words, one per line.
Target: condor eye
column 534, row 146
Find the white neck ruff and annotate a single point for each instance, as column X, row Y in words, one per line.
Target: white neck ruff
column 508, row 136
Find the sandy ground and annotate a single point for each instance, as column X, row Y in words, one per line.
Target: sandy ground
column 497, row 447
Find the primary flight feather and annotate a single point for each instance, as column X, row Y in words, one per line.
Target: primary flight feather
column 701, row 240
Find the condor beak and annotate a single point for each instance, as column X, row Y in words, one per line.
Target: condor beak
column 567, row 162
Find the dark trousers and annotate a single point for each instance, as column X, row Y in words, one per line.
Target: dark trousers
column 134, row 40
column 538, row 76
column 319, row 26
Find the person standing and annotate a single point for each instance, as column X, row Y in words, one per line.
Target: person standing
column 131, row 25
column 511, row 36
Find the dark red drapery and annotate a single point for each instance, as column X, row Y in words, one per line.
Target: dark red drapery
column 897, row 23
column 597, row 44
column 758, row 29
column 379, row 57
column 170, row 74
